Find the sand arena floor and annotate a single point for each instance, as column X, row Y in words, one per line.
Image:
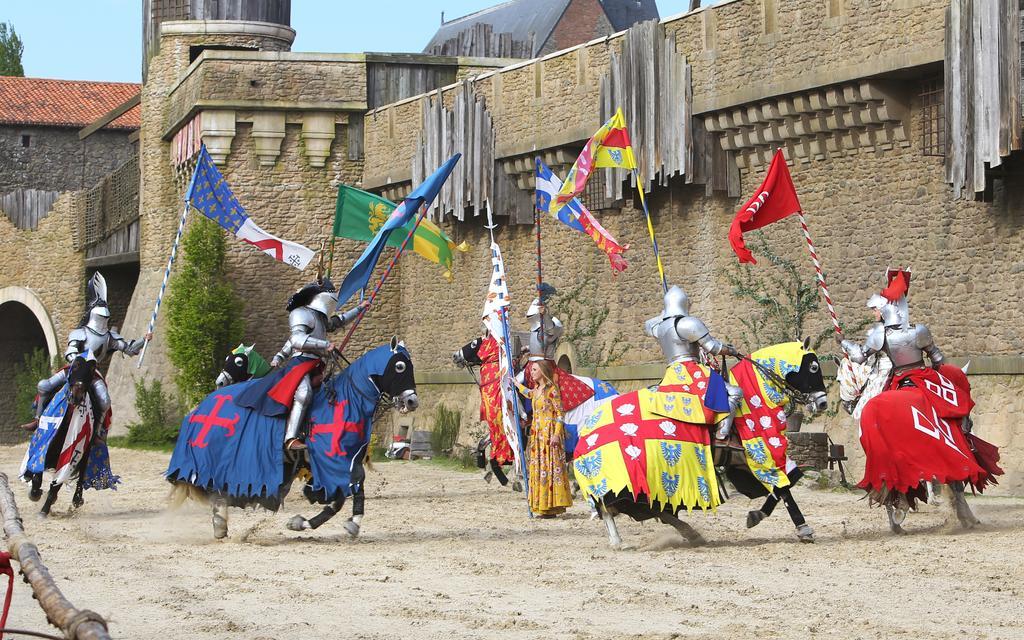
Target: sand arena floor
column 444, row 555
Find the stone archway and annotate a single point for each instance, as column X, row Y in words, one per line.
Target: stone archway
column 26, row 327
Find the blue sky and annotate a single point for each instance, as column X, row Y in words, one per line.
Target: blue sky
column 102, row 39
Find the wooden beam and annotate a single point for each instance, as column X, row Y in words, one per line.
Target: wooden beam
column 110, row 116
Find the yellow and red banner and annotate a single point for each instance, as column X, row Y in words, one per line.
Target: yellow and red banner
column 609, row 148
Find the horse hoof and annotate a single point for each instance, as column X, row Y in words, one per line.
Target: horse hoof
column 697, row 541
column 517, row 486
column 351, row 528
column 35, row 494
column 488, row 476
column 77, row 501
column 897, row 529
column 804, row 533
column 43, row 515
column 297, row 523
column 754, row 518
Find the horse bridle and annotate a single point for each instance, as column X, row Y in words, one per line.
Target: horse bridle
column 795, row 394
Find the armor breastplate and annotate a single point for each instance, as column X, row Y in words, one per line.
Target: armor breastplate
column 551, row 336
column 308, row 322
column 98, row 344
column 901, row 347
column 675, row 348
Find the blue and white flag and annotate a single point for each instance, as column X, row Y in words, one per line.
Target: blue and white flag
column 210, row 194
column 547, row 187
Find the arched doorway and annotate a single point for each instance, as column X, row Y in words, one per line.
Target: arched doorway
column 26, row 326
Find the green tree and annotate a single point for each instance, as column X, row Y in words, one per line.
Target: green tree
column 583, row 314
column 34, row 367
column 11, row 49
column 204, row 315
column 785, row 296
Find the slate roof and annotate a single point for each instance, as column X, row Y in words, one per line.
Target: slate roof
column 540, row 17
column 623, row 14
column 65, row 103
column 518, row 17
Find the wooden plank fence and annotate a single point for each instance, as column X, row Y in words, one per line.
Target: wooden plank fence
column 26, row 207
column 983, row 90
column 651, row 81
column 466, row 128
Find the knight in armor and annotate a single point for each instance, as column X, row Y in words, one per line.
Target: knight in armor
column 545, row 329
column 289, row 390
column 93, row 336
column 682, row 336
column 905, row 344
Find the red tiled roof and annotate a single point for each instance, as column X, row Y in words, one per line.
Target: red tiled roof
column 65, row 103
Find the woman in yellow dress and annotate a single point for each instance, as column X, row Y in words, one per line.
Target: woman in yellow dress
column 549, row 483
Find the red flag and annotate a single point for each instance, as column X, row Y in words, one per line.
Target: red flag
column 774, row 200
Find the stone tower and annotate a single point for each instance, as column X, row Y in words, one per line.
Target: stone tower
column 155, row 12
column 176, row 33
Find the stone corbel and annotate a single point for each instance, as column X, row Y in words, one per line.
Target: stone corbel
column 268, row 133
column 317, row 135
column 217, row 128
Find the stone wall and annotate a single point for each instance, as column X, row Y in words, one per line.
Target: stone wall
column 160, row 204
column 42, row 265
column 269, row 78
column 45, row 262
column 56, row 160
column 867, row 209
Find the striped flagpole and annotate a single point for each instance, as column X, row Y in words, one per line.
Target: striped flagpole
column 821, row 275
column 650, row 229
column 383, row 278
column 167, row 271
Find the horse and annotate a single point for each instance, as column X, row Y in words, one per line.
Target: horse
column 918, row 432
column 493, row 450
column 637, row 457
column 67, row 443
column 242, row 364
column 231, row 456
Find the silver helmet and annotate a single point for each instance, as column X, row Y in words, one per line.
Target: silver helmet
column 894, row 314
column 99, row 319
column 546, row 291
column 326, row 302
column 677, row 303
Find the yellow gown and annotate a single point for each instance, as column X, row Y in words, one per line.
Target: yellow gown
column 549, row 483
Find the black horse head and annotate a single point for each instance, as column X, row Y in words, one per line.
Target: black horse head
column 809, row 380
column 467, row 355
column 80, row 376
column 236, row 368
column 397, row 381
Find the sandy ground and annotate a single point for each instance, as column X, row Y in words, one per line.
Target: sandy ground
column 444, row 555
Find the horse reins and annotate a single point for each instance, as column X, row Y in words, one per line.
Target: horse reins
column 776, row 379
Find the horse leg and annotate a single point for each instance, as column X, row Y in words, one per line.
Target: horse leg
column 613, row 532
column 961, row 508
column 896, row 517
column 299, row 523
column 498, row 472
column 684, row 529
column 358, row 506
column 51, row 497
column 219, row 506
column 78, row 499
column 36, row 491
column 803, row 530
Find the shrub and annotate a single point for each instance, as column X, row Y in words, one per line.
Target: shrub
column 34, row 367
column 445, row 433
column 160, row 415
column 204, row 316
column 583, row 314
